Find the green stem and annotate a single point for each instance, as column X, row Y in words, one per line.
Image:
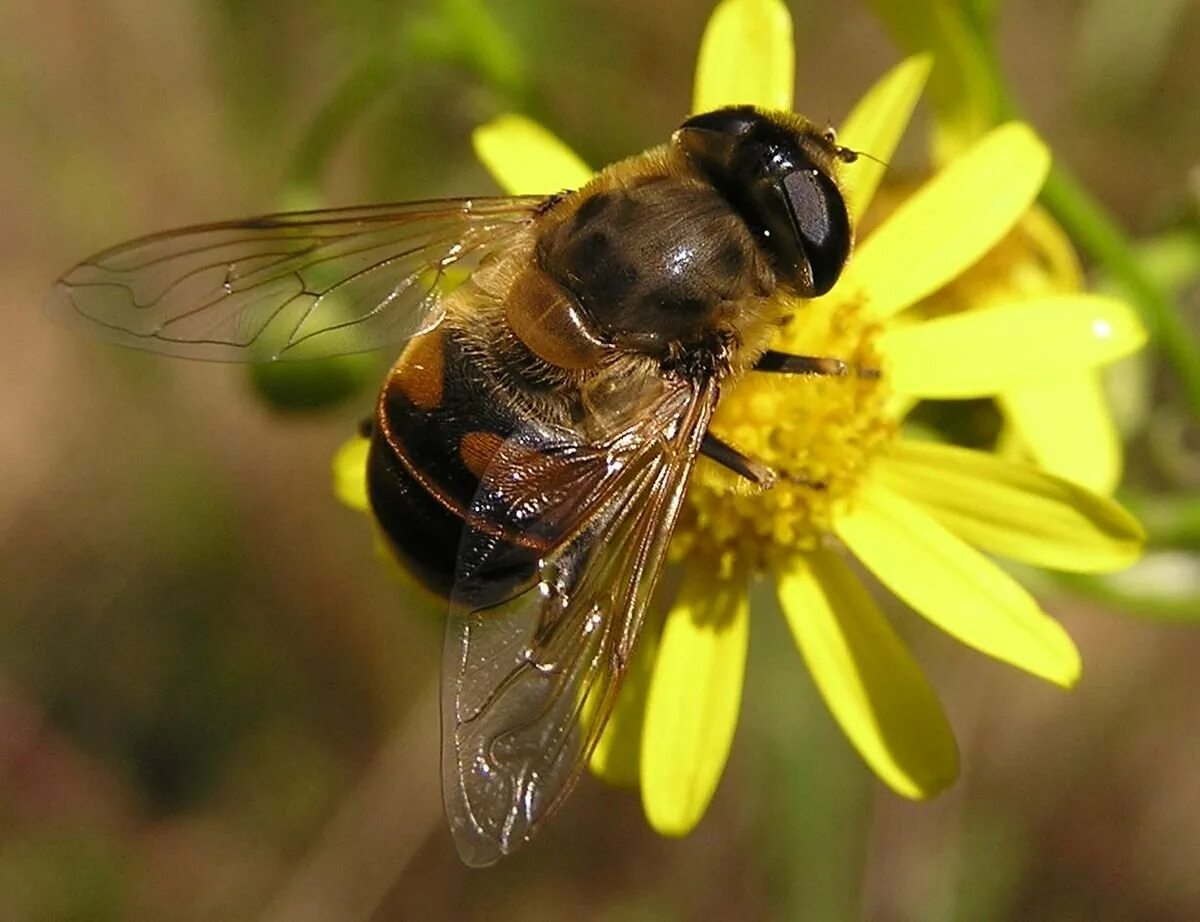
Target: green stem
column 464, row 31
column 488, row 48
column 369, row 80
column 1171, row 520
column 1181, row 609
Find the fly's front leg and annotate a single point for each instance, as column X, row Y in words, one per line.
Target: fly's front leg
column 780, row 363
column 753, row 470
column 730, row 458
column 818, row 366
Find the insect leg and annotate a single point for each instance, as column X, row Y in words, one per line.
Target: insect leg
column 785, row 363
column 729, row 457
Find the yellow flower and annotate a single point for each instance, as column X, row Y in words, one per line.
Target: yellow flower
column 1064, row 421
column 908, row 511
column 912, row 513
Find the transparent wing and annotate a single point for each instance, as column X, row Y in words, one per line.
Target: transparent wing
column 302, row 285
column 529, row 681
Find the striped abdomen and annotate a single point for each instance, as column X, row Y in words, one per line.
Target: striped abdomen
column 440, row 419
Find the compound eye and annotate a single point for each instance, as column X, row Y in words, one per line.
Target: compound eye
column 819, row 217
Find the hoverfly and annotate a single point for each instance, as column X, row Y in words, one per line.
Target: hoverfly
column 532, row 445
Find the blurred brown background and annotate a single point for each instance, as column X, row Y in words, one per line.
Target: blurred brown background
column 216, row 704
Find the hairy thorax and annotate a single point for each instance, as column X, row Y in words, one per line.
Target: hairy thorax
column 657, row 263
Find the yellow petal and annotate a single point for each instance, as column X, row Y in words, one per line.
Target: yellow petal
column 616, row 757
column 1068, row 428
column 875, row 126
column 899, row 405
column 1051, row 252
column 746, row 57
column 692, row 706
column 962, row 87
column 526, row 159
column 951, row 221
column 1014, row 510
column 868, row 679
column 350, row 473
column 954, row 586
column 981, row 352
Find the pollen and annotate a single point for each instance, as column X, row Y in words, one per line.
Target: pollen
column 819, row 434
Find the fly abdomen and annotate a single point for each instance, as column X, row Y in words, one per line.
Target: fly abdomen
column 439, row 423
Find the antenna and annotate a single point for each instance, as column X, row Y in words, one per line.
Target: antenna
column 846, row 155
column 849, row 154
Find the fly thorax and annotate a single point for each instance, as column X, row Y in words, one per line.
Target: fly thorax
column 657, row 265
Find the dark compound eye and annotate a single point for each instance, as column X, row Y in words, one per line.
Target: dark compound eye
column 819, row 217
column 775, row 178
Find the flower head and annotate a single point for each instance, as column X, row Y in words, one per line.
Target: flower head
column 912, row 513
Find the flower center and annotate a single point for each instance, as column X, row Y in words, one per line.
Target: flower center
column 819, row 434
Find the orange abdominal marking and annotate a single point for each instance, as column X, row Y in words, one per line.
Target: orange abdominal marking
column 477, row 449
column 423, row 372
